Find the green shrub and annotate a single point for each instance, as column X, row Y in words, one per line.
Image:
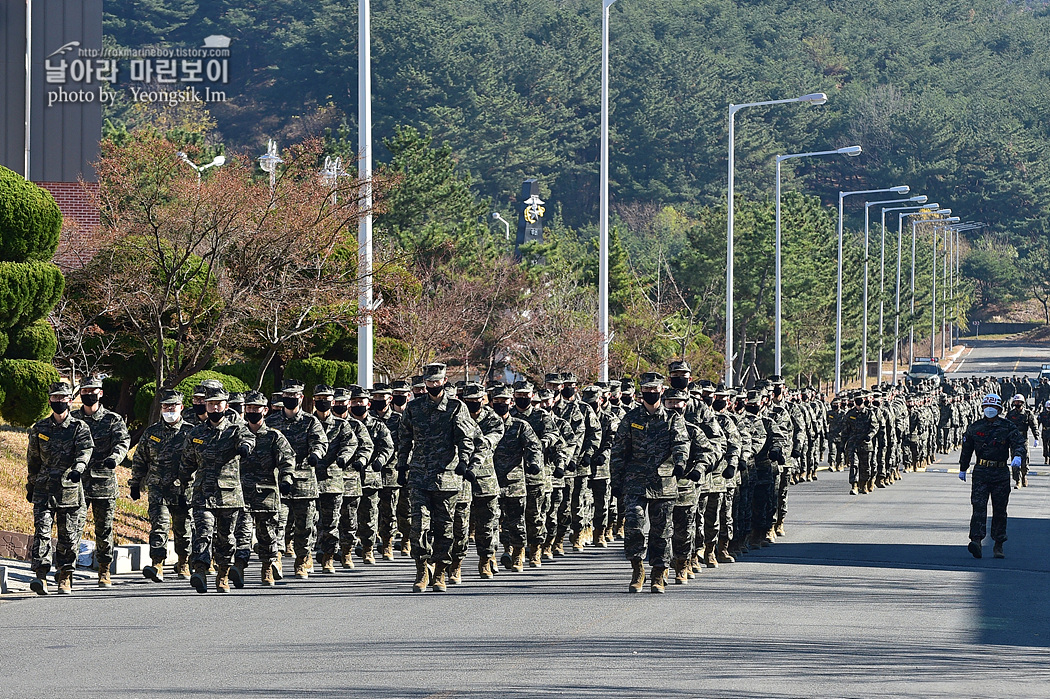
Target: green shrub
column 246, row 372
column 34, row 341
column 25, row 384
column 144, row 396
column 28, row 291
column 30, row 220
column 3, row 345
column 312, row 371
column 346, row 374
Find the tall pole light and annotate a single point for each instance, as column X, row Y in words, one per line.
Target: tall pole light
column 811, row 98
column 921, row 198
column 269, row 161
column 911, row 324
column 851, row 151
column 603, row 224
column 364, row 170
column 217, row 161
column 506, row 224
column 897, row 315
column 29, row 84
column 901, row 189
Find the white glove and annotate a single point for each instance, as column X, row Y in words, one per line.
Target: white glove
column 1016, row 463
column 1035, row 442
column 962, row 476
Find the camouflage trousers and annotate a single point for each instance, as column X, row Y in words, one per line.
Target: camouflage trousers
column 714, row 510
column 404, row 512
column 368, row 518
column 557, row 513
column 213, row 529
column 243, row 531
column 1022, row 471
column 484, row 513
column 600, row 497
column 648, row 525
column 783, row 482
column 168, row 520
column 576, row 507
column 347, row 524
column 512, row 522
column 329, row 517
column 536, row 501
column 725, row 515
column 67, row 523
column 432, row 516
column 742, row 504
column 300, row 524
column 102, row 512
column 263, row 526
column 860, row 466
column 461, row 524
column 683, row 522
column 766, row 495
column 388, row 504
column 835, row 454
column 989, row 482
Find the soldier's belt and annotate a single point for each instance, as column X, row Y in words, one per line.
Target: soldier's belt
column 991, row 464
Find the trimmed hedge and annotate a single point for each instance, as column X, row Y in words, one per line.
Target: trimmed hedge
column 144, row 397
column 246, row 372
column 314, row 370
column 34, row 341
column 30, row 220
column 28, row 291
column 26, row 384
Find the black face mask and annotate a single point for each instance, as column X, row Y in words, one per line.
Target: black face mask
column 253, row 418
column 627, row 400
column 680, row 409
column 400, row 400
column 435, row 390
column 290, row 402
column 751, row 408
column 859, row 403
column 89, row 400
column 876, row 403
column 679, row 382
column 339, row 409
column 323, row 405
column 59, row 406
column 614, row 400
column 216, row 417
column 651, row 397
column 200, row 409
column 523, row 403
column 719, row 404
column 378, row 405
column 708, row 398
column 359, row 410
column 501, row 409
column 473, row 405
column 568, row 391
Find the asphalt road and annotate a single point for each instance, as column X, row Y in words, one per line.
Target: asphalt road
column 1000, row 358
column 871, row 596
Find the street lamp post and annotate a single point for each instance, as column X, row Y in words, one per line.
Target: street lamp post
column 506, row 224
column 330, row 174
column 812, row 98
column 901, row 189
column 603, row 222
column 364, row 170
column 217, row 161
column 911, row 330
column 851, row 151
column 921, row 199
column 897, row 315
column 269, row 162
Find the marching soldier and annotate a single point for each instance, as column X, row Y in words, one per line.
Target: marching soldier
column 381, row 409
column 484, row 503
column 372, row 477
column 59, row 451
column 1023, row 419
column 518, row 454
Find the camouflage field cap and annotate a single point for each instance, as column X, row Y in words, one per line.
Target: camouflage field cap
column 255, row 398
column 292, row 386
column 382, row 389
column 523, row 386
column 680, row 365
column 217, row 393
column 434, row 372
column 501, row 391
column 473, row 391
column 568, row 377
column 170, row 397
column 552, row 378
column 322, row 389
column 60, row 388
column 93, row 381
column 675, row 394
column 341, row 394
column 400, row 386
column 591, row 393
column 236, row 399
column 359, row 392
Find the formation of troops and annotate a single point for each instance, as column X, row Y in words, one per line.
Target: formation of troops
column 686, row 473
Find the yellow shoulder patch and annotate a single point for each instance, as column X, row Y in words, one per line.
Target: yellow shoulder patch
column 44, row 437
column 198, row 441
column 636, row 426
column 154, row 437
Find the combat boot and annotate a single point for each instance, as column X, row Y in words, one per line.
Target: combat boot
column 598, row 539
column 577, row 542
column 405, row 546
column 438, row 583
column 39, row 583
column 779, row 530
column 275, row 567
column 422, row 577
column 507, row 559
column 493, row 566
column 997, row 550
column 722, row 555
column 348, row 561
column 267, row 574
column 328, row 563
column 300, row 568
column 154, row 572
column 696, row 564
column 680, row 576
column 199, row 579
column 659, row 581
column 388, row 549
column 369, row 557
column 974, row 547
column 455, row 571
column 64, row 578
column 222, row 578
column 853, row 489
column 182, row 568
column 771, row 535
column 485, row 568
column 710, row 557
column 534, row 557
column 559, row 548
column 880, row 482
column 309, row 563
column 104, row 580
column 1024, row 481
column 236, row 573
column 619, row 529
column 637, row 576
column 519, row 559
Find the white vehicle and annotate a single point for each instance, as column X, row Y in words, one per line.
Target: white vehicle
column 924, row 368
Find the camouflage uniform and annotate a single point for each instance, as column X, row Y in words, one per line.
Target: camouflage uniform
column 156, row 464
column 111, row 439
column 211, row 462
column 1023, row 419
column 57, row 450
column 649, row 452
column 602, row 523
column 269, row 467
column 435, row 445
column 518, row 453
column 702, row 460
column 388, row 497
column 994, row 442
column 484, row 508
column 372, row 484
column 538, row 486
column 858, row 433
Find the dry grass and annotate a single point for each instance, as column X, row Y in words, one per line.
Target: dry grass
column 131, row 524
